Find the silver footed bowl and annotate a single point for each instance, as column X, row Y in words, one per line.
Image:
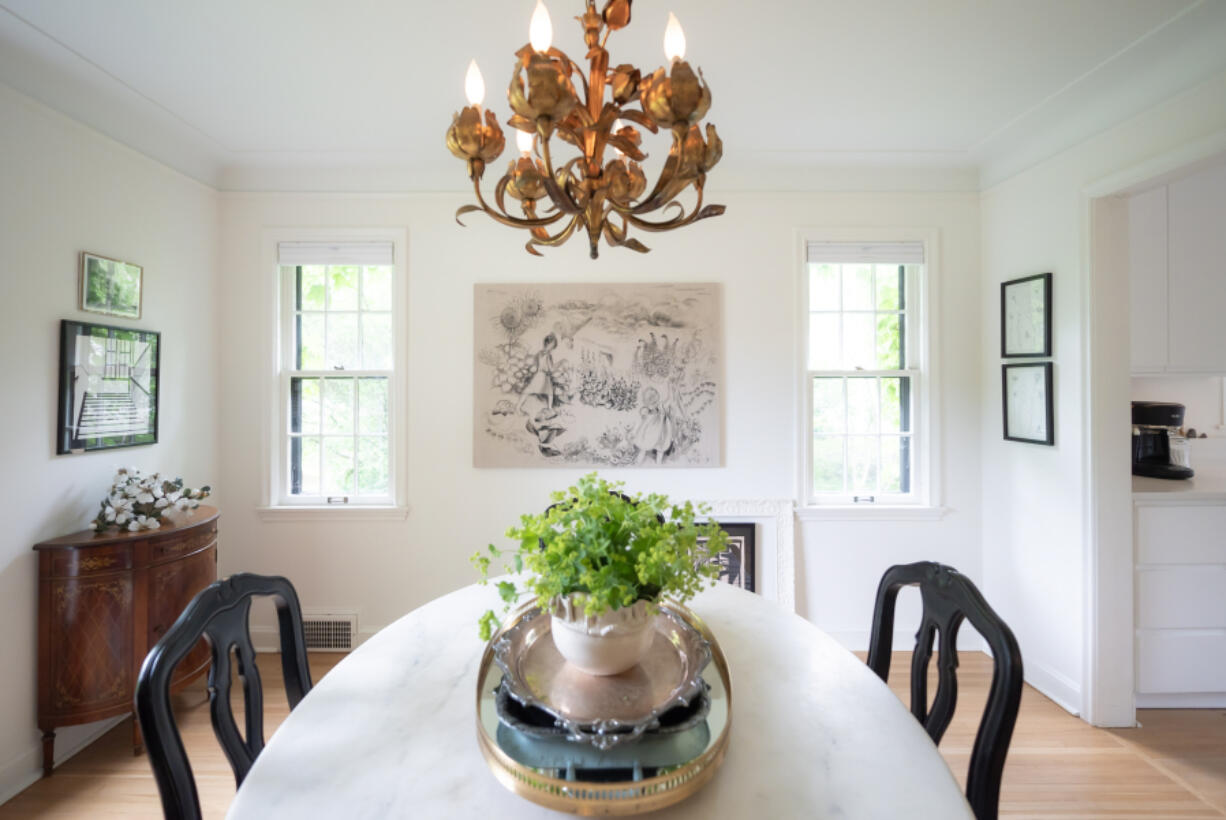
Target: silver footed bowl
column 603, row 710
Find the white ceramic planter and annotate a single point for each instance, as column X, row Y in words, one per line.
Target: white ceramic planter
column 605, row 644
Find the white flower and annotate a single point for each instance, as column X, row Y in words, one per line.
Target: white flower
column 161, row 502
column 133, row 527
column 110, row 513
column 152, row 524
column 182, row 504
column 121, row 518
column 175, row 496
column 145, row 498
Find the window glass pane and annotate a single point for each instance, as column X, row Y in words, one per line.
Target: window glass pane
column 862, row 463
column 377, row 341
column 311, row 288
column 889, row 341
column 896, row 405
column 372, row 405
column 895, row 464
column 859, row 341
column 828, row 408
column 372, row 465
column 889, row 279
column 342, row 341
column 823, row 341
column 304, row 405
column 377, row 288
column 823, row 287
column 862, row 405
column 338, row 406
column 857, row 287
column 306, row 464
column 338, row 466
column 827, row 464
column 342, row 287
column 310, row 354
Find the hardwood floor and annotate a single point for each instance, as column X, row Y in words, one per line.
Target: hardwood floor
column 1173, row 766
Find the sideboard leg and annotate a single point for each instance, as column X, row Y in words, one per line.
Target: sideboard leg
column 138, row 744
column 48, row 751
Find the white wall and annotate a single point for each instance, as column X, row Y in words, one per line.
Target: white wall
column 64, row 189
column 1039, row 517
column 385, row 568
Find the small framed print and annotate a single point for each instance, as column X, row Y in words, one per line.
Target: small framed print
column 1025, row 317
column 109, row 385
column 736, row 563
column 1028, row 402
column 110, row 286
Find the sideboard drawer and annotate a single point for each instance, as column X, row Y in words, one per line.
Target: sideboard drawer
column 1181, row 661
column 72, row 562
column 1178, row 534
column 1181, row 597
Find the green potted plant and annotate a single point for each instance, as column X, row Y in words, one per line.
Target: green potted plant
column 599, row 562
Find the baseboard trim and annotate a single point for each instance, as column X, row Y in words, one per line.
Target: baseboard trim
column 1061, row 690
column 268, row 638
column 27, row 768
column 1183, row 700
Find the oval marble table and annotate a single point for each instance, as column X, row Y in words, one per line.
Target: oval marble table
column 390, row 731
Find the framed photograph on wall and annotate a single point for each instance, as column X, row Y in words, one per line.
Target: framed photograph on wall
column 736, row 564
column 1028, row 402
column 110, row 286
column 1025, row 317
column 108, row 387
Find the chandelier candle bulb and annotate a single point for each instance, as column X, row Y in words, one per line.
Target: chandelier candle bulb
column 524, row 141
column 540, row 29
column 474, row 84
column 674, row 39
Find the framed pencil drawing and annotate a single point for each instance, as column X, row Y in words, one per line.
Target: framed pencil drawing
column 108, row 387
column 1027, row 402
column 1025, row 317
column 110, row 286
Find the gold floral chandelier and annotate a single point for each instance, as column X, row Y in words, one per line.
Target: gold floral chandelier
column 603, row 198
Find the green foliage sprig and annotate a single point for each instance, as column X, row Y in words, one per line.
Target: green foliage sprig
column 612, row 549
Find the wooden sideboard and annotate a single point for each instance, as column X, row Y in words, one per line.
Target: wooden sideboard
column 104, row 599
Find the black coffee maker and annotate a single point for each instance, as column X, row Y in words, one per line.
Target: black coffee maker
column 1154, row 424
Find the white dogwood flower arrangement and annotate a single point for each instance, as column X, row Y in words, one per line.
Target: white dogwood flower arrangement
column 141, row 502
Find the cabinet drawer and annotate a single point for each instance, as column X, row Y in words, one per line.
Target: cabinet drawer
column 1181, row 535
column 1181, row 597
column 1183, row 660
column 72, row 562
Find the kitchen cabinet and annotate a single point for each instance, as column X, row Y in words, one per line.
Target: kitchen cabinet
column 1177, row 275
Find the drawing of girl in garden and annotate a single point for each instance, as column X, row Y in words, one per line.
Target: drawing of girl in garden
column 653, row 434
column 541, row 384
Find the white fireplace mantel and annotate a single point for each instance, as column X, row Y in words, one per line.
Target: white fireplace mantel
column 776, row 542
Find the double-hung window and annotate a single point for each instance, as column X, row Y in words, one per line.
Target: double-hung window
column 864, row 373
column 339, row 374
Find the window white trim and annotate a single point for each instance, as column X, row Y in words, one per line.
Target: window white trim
column 926, row 445
column 274, row 454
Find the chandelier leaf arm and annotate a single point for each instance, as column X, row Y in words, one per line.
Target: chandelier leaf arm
column 504, row 218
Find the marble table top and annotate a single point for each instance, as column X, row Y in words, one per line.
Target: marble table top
column 390, row 731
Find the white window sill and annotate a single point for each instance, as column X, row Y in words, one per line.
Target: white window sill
column 870, row 512
column 356, row 512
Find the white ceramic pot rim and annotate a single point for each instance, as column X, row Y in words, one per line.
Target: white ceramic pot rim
column 568, row 613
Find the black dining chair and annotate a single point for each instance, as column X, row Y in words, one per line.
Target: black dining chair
column 219, row 614
column 949, row 598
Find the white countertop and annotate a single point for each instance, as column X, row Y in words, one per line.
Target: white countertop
column 390, row 731
column 1208, row 484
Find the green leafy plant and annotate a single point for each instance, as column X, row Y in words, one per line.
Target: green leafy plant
column 610, row 548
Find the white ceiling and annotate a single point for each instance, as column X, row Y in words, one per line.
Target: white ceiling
column 356, row 95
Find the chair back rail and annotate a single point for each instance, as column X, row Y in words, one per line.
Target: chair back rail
column 219, row 613
column 949, row 598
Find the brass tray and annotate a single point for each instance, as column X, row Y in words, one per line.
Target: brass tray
column 603, row 710
column 565, row 788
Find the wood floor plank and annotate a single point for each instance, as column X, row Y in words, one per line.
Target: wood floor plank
column 1059, row 768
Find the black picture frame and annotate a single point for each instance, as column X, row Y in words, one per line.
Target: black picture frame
column 738, row 563
column 1047, row 405
column 109, row 387
column 1021, row 351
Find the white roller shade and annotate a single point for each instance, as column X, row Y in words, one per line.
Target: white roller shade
column 334, row 253
column 851, row 253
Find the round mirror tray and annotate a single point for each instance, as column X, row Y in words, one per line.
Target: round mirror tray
column 542, row 758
